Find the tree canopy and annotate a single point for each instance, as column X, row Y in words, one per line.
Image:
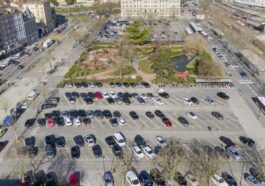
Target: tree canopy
column 137, row 33
column 70, row 2
column 162, row 64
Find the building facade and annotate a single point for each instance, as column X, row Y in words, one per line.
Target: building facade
column 150, row 8
column 258, row 3
column 43, row 14
column 30, row 26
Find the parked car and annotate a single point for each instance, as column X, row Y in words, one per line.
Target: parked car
column 223, row 95
column 110, row 141
column 247, row 141
column 148, row 151
column 119, row 139
column 96, row 149
column 194, row 100
column 209, row 100
column 139, row 141
column 217, row 115
column 134, row 115
column 233, row 152
column 150, row 115
column 75, row 152
column 79, row 140
column 251, row 180
column 187, row 101
column 191, row 179
column 132, row 179
column 160, row 141
column 192, row 115
column 30, row 122
column 229, row 179
column 180, row 179
column 157, row 177
column 145, row 178
column 60, row 142
column 50, row 151
column 218, row 180
column 167, row 122
column 90, row 140
column 159, row 113
column 183, row 121
column 108, row 178
column 117, row 151
column 137, row 152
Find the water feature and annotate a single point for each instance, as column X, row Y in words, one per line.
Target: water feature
column 180, row 62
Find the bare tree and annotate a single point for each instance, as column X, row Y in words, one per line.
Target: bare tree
column 194, row 45
column 204, row 162
column 170, row 157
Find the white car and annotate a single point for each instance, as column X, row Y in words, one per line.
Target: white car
column 160, row 141
column 233, row 152
column 209, row 100
column 192, row 115
column 158, row 101
column 160, row 90
column 89, row 140
column 148, row 151
column 192, row 181
column 132, row 179
column 218, row 180
column 143, row 96
column 24, row 105
column 67, row 121
column 113, row 95
column 137, row 152
column 105, row 94
column 121, row 121
column 187, row 101
column 77, row 121
column 251, row 180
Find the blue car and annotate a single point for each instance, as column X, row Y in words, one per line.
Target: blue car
column 145, row 178
column 243, row 74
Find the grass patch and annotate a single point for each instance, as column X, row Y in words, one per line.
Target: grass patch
column 174, row 51
column 73, row 10
column 77, row 17
column 143, row 50
column 145, row 66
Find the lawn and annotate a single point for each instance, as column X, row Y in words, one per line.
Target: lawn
column 145, row 66
column 143, row 50
column 77, row 17
column 73, row 10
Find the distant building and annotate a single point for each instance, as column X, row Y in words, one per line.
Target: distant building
column 17, row 29
column 43, row 13
column 85, row 2
column 258, row 3
column 150, row 8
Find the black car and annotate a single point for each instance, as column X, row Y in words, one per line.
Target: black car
column 48, row 105
column 75, row 95
column 86, row 121
column 127, row 95
column 112, row 84
column 139, row 141
column 41, row 122
column 20, row 66
column 79, row 140
column 88, row 100
column 30, row 122
column 120, row 95
column 126, row 84
column 247, row 141
column 217, row 115
column 99, row 84
column 229, row 179
column 132, row 84
column 50, row 140
column 75, row 152
column 78, row 85
column 59, row 121
column 91, row 95
column 98, row 114
column 149, row 95
column 180, row 179
column 157, row 177
column 150, row 115
column 96, row 149
column 107, row 114
column 72, row 100
column 50, row 151
column 220, row 151
column 113, row 122
column 84, row 84
column 117, row 151
column 81, row 113
column 164, row 95
column 227, row 141
column 195, row 100
column 83, row 95
column 146, row 85
column 117, row 114
column 134, row 115
column 68, row 94
column 110, row 100
column 30, row 141
column 110, row 141
column 32, row 151
column 223, row 95
column 118, row 84
column 60, row 142
column 141, row 100
column 126, row 100
column 183, row 121
column 73, row 114
column 159, row 113
column 257, row 174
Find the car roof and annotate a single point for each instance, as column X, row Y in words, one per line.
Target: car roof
column 132, row 175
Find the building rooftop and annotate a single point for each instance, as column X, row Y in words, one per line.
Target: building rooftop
column 255, row 59
column 5, row 9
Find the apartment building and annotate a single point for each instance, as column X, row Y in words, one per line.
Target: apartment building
column 150, row 8
column 257, row 3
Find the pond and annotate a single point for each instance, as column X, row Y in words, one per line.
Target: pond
column 180, row 62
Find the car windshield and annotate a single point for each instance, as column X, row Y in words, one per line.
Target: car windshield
column 135, row 182
column 121, row 141
column 221, row 181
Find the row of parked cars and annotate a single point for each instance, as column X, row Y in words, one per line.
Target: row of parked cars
column 111, row 84
column 112, row 29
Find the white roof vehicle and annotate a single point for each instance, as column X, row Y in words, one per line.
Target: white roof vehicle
column 192, row 181
column 77, row 121
column 137, row 152
column 187, row 101
column 251, row 180
column 233, row 152
column 160, row 141
column 192, row 115
column 67, row 121
column 105, row 94
column 89, row 140
column 132, row 179
column 121, row 121
column 143, row 96
column 118, row 137
column 218, row 180
column 148, row 151
column 158, row 101
column 113, row 95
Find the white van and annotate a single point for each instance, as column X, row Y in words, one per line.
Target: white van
column 119, row 138
column 32, row 95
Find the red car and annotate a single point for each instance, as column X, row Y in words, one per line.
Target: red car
column 50, row 122
column 167, row 122
column 74, row 179
column 98, row 95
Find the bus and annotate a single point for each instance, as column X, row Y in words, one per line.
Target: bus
column 218, row 32
column 194, row 27
column 189, row 31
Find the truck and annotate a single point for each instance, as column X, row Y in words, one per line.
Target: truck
column 47, row 43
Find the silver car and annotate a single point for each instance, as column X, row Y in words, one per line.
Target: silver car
column 108, row 178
